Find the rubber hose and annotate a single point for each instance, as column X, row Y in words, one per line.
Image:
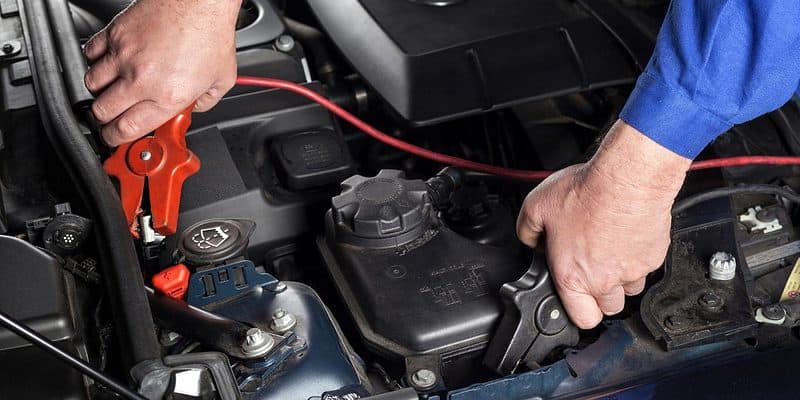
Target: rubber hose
column 121, row 273
column 73, row 63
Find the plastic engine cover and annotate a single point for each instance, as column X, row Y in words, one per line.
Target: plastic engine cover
column 437, row 63
column 413, row 285
column 35, row 290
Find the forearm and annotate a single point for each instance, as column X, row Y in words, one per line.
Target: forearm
column 628, row 158
column 716, row 63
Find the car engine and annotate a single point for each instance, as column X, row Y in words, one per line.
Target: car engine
column 312, row 261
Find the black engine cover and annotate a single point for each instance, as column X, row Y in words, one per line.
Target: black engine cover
column 435, row 63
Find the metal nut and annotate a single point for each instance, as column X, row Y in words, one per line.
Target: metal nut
column 283, row 321
column 722, row 266
column 423, row 379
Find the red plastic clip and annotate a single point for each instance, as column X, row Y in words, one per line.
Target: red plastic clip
column 165, row 161
column 172, row 281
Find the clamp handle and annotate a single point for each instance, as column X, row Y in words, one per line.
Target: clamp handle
column 164, row 161
column 534, row 322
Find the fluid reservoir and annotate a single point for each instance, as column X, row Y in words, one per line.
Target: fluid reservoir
column 412, row 285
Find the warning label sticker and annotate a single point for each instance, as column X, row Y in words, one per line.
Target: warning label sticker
column 792, row 288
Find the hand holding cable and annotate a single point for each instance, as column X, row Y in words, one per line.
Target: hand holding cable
column 156, row 58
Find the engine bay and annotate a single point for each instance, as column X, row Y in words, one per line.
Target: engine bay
column 312, row 261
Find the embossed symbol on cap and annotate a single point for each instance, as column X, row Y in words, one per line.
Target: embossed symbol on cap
column 211, row 238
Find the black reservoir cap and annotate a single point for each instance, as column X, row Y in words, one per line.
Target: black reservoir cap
column 384, row 206
column 215, row 240
column 312, row 159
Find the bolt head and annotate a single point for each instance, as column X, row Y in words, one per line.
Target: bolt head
column 257, row 342
column 773, row 312
column 555, row 314
column 8, row 48
column 285, row 43
column 711, row 300
column 423, row 378
column 145, row 155
column 254, row 336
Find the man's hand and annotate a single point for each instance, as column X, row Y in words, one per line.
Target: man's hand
column 157, row 57
column 606, row 223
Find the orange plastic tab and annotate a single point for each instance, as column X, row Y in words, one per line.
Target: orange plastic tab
column 165, row 161
column 172, row 281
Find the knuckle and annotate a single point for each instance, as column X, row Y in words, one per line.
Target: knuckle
column 145, row 71
column 116, row 32
column 123, row 51
column 109, row 137
column 89, row 47
column 100, row 112
column 570, row 280
column 128, row 129
column 603, row 283
column 89, row 81
column 174, row 96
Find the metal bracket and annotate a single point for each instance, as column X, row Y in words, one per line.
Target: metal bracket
column 226, row 281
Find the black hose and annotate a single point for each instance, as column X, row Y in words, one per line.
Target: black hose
column 696, row 199
column 122, row 278
column 45, row 344
column 314, row 42
column 73, row 64
column 210, row 329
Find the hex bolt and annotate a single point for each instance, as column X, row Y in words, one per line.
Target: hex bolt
column 145, row 155
column 722, row 266
column 423, row 379
column 710, row 300
column 773, row 312
column 257, row 342
column 282, row 321
column 285, row 43
column 8, row 48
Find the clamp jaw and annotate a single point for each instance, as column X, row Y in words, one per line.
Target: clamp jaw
column 161, row 161
column 534, row 322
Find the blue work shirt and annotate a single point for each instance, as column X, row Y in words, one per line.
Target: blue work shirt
column 716, row 63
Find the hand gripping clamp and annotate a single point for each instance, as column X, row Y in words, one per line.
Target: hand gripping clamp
column 162, row 162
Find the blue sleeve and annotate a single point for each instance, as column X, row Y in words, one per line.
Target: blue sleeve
column 716, row 63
